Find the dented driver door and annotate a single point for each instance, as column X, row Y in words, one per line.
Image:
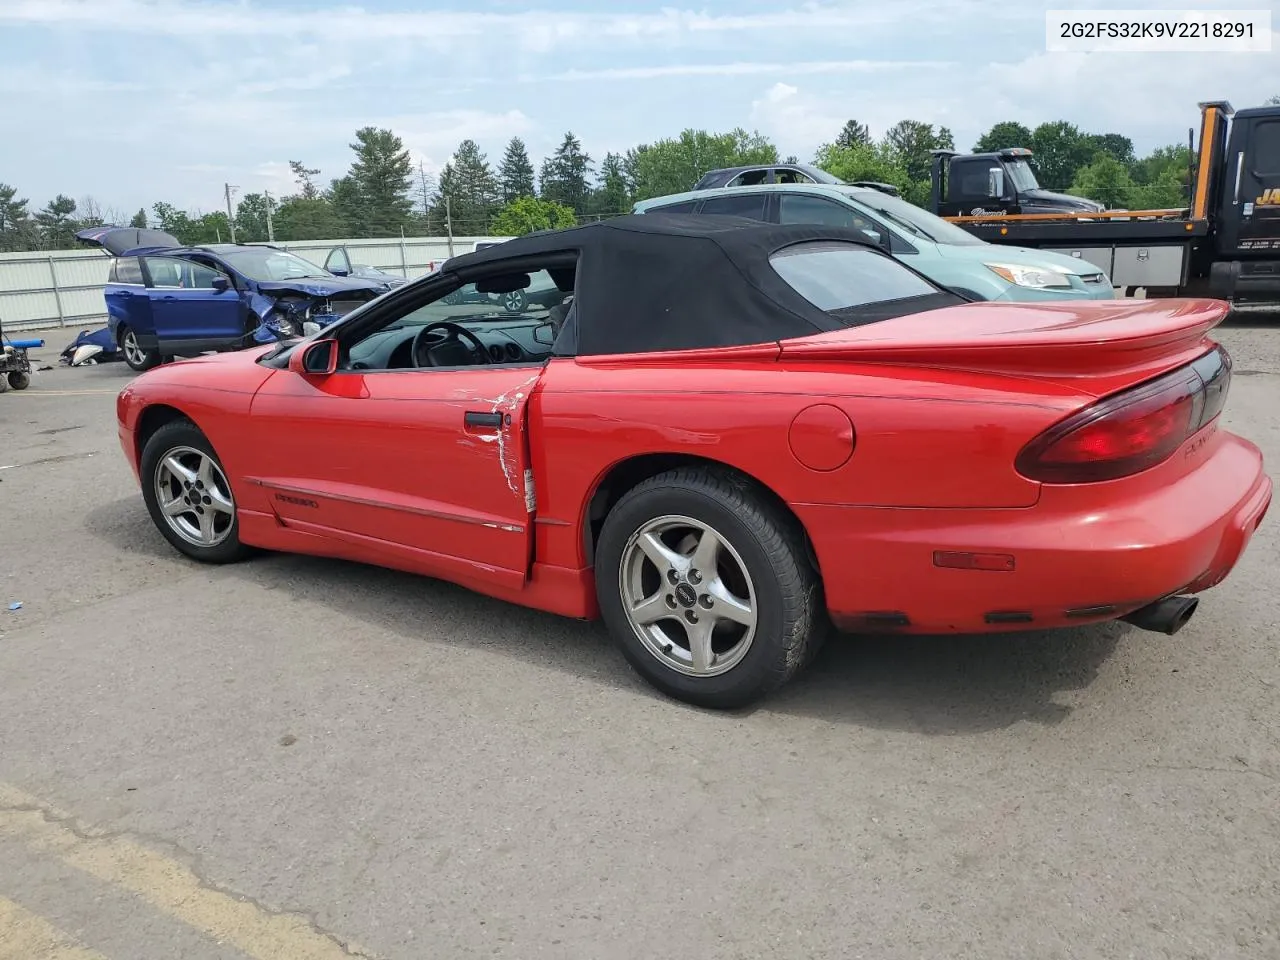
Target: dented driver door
column 430, row 466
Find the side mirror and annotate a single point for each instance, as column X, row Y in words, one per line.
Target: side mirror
column 340, row 271
column 316, row 359
column 545, row 334
column 995, row 183
column 222, row 284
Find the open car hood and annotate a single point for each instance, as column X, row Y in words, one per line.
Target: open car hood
column 118, row 240
column 315, row 287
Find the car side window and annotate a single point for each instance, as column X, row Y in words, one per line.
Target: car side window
column 792, row 176
column 969, row 180
column 684, row 206
column 126, row 270
column 338, row 262
column 199, row 276
column 737, row 205
column 806, row 208
column 174, row 273
column 514, row 321
column 164, row 271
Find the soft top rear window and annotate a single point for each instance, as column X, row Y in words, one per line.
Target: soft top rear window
column 856, row 284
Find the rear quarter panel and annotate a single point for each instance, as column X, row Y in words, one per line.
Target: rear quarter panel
column 921, row 438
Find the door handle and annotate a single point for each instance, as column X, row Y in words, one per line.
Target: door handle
column 475, row 418
column 170, row 297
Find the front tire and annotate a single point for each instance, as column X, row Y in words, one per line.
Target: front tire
column 19, row 379
column 188, row 496
column 706, row 586
column 136, row 356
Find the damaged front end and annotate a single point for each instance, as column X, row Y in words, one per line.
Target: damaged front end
column 286, row 313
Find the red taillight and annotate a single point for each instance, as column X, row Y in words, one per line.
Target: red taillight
column 1132, row 431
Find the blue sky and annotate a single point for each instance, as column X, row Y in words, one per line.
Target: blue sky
column 134, row 101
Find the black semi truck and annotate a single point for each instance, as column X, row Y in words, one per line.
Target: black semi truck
column 1225, row 244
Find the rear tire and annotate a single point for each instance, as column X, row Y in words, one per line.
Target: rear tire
column 188, row 495
column 707, row 588
column 136, row 356
column 19, row 380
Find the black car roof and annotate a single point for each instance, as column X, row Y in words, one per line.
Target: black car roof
column 662, row 281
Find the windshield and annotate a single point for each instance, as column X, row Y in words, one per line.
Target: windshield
column 1022, row 175
column 273, row 265
column 915, row 220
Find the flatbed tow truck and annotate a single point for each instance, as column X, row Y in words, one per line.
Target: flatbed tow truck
column 1225, row 244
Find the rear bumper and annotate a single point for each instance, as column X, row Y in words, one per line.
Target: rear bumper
column 1081, row 554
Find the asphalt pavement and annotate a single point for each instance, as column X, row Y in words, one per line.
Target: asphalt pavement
column 301, row 758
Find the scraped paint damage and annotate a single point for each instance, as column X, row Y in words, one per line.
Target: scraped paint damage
column 506, row 404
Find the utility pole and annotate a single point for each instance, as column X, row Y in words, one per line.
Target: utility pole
column 231, row 217
column 448, row 223
column 271, row 230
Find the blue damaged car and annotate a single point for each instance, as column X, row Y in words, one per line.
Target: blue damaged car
column 166, row 300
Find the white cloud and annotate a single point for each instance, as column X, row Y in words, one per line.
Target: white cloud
column 540, row 29
column 172, row 97
column 796, row 122
column 742, row 69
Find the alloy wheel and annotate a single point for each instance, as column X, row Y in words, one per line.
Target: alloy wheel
column 688, row 596
column 194, row 496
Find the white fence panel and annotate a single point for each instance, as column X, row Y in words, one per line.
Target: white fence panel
column 62, row 288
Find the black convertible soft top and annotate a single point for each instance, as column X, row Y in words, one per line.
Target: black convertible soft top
column 648, row 282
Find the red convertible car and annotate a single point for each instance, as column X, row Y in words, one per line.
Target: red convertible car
column 727, row 439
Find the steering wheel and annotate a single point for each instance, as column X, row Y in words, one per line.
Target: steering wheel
column 446, row 351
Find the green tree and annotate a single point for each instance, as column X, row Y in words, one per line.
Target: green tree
column 863, row 161
column 527, row 214
column 1106, row 180
column 515, row 172
column 211, row 228
column 631, row 169
column 314, row 218
column 1112, row 144
column 611, row 195
column 382, row 177
column 1059, row 149
column 139, row 219
column 1167, row 191
column 853, row 134
column 348, row 206
column 251, row 218
column 675, row 165
column 303, row 175
column 1162, row 179
column 471, row 190
column 17, row 230
column 56, row 223
column 912, row 142
column 1005, row 134
column 174, row 221
column 1173, row 159
column 565, row 175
